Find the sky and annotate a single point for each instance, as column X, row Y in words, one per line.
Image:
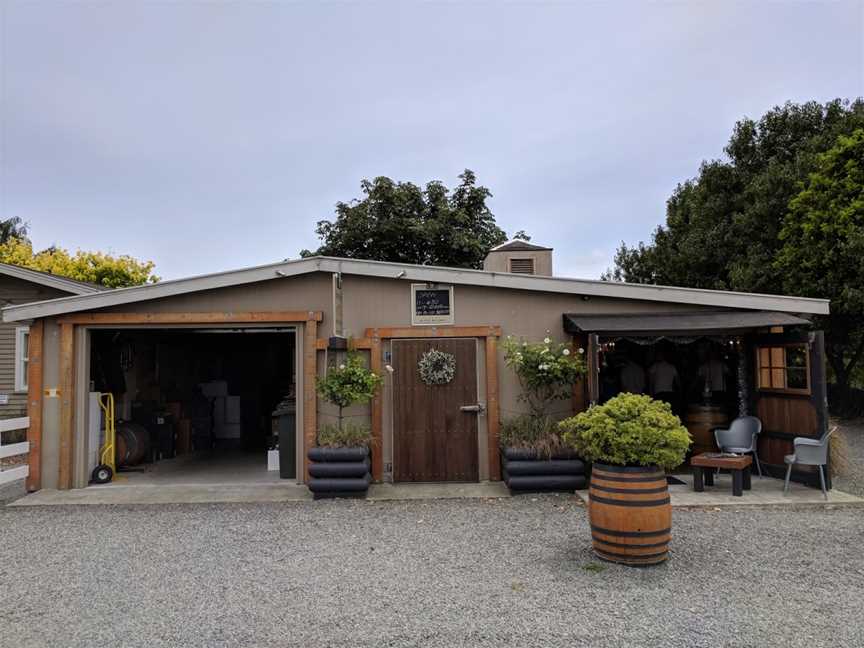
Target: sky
column 207, row 136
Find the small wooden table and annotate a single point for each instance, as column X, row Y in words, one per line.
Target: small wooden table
column 740, row 467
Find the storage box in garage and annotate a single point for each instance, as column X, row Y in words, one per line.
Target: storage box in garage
column 184, row 436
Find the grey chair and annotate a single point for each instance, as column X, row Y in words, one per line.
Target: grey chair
column 740, row 437
column 809, row 452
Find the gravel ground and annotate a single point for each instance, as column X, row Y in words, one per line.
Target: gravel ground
column 852, row 481
column 513, row 572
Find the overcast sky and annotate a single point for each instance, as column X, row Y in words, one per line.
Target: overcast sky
column 210, row 136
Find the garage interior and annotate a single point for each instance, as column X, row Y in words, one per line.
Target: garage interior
column 202, row 405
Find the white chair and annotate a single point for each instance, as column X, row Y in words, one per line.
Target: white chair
column 809, row 452
column 740, row 437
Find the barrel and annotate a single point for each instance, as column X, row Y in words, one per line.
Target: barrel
column 700, row 421
column 133, row 443
column 630, row 514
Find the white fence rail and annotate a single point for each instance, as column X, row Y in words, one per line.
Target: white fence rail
column 14, row 449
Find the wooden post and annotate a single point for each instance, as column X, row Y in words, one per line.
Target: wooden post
column 580, row 387
column 67, row 404
column 377, row 414
column 492, row 413
column 310, row 399
column 34, row 404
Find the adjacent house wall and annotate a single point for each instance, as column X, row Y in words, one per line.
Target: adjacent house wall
column 16, row 291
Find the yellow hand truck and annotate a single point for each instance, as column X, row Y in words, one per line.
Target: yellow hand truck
column 104, row 472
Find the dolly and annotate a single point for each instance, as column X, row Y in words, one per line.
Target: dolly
column 104, row 472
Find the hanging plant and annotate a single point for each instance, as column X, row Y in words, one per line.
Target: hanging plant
column 436, row 367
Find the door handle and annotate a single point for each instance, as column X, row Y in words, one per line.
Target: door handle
column 479, row 408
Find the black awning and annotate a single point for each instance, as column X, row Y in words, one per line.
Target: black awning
column 731, row 321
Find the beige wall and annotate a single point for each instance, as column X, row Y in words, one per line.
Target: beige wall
column 368, row 303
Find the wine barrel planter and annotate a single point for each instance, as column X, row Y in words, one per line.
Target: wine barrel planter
column 525, row 471
column 339, row 472
column 630, row 514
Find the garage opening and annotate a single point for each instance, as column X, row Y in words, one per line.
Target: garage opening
column 205, row 405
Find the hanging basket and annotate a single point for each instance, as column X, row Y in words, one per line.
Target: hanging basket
column 436, row 367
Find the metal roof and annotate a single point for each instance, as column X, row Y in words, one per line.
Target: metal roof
column 517, row 245
column 697, row 322
column 47, row 279
column 408, row 272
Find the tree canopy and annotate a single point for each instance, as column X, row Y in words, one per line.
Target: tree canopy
column 401, row 222
column 95, row 267
column 723, row 228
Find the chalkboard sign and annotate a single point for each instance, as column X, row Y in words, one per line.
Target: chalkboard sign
column 431, row 305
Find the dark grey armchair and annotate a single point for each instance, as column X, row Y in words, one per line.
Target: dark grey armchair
column 809, row 452
column 741, row 437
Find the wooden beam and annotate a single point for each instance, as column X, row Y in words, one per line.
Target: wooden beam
column 433, row 332
column 360, row 344
column 67, row 403
column 34, row 404
column 321, row 345
column 310, row 400
column 377, row 414
column 228, row 317
column 492, row 408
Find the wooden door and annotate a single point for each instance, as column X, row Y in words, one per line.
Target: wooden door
column 789, row 391
column 433, row 439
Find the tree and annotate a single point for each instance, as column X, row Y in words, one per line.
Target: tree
column 400, row 222
column 12, row 228
column 95, row 267
column 723, row 227
column 822, row 252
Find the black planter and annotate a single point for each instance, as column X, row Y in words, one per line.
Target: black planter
column 525, row 471
column 339, row 472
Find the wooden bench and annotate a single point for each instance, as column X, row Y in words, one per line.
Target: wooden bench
column 739, row 466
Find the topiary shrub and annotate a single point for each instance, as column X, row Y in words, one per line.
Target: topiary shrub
column 628, row 430
column 350, row 382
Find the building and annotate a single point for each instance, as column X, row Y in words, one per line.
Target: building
column 261, row 335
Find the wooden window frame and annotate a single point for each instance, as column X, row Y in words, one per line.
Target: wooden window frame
column 22, row 357
column 806, row 391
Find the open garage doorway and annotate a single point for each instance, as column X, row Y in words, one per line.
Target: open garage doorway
column 196, row 405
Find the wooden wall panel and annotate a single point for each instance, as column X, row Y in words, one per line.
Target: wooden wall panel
column 34, row 404
column 310, row 398
column 788, row 414
column 67, row 404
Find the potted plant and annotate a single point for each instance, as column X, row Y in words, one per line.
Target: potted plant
column 340, row 460
column 631, row 439
column 534, row 457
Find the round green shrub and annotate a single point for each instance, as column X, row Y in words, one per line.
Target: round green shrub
column 628, row 430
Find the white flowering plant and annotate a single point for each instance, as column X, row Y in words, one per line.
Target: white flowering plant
column 546, row 370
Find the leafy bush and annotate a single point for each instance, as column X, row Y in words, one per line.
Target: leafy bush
column 351, row 435
column 351, row 382
column 630, row 429
column 531, row 432
column 546, row 370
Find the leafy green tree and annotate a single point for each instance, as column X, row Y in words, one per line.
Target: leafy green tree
column 95, row 267
column 723, row 227
column 823, row 248
column 400, row 222
column 12, row 228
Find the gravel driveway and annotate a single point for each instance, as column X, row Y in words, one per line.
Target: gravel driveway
column 451, row 573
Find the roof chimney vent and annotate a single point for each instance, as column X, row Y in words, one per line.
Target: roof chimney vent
column 519, row 257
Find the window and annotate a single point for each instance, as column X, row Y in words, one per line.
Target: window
column 522, row 266
column 22, row 357
column 784, row 368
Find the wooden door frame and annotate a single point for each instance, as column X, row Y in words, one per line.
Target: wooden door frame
column 489, row 334
column 68, row 325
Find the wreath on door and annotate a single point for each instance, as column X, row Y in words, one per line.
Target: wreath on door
column 436, row 367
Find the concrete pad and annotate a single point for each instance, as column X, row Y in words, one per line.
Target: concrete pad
column 766, row 491
column 437, row 491
column 118, row 494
